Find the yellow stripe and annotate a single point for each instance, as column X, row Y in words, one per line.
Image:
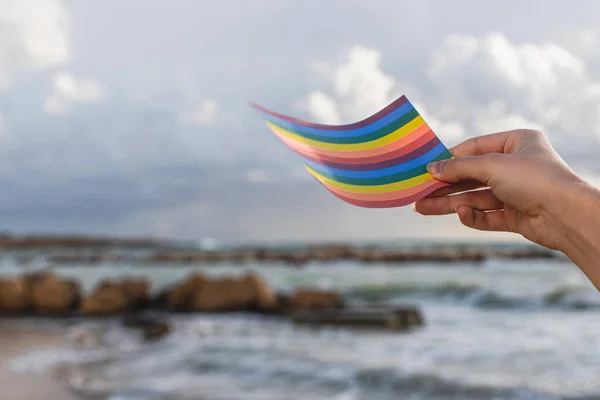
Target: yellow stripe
column 392, row 137
column 390, row 187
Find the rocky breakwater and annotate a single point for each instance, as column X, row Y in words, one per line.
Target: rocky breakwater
column 48, row 294
column 300, row 256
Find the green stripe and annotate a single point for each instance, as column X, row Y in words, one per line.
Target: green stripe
column 386, row 130
column 384, row 180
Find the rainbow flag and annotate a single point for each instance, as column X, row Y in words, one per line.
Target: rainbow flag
column 378, row 162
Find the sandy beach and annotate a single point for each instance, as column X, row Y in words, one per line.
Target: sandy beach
column 15, row 386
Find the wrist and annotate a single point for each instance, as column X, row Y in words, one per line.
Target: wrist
column 575, row 211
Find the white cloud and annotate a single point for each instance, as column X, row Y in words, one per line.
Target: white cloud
column 34, row 34
column 322, row 108
column 69, row 89
column 489, row 83
column 475, row 85
column 360, row 87
column 204, row 115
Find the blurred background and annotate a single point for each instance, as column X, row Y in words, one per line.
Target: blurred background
column 160, row 243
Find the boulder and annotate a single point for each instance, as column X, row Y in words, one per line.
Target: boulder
column 151, row 329
column 266, row 298
column 180, row 297
column 397, row 319
column 13, row 295
column 306, row 299
column 250, row 292
column 49, row 294
column 157, row 330
column 105, row 300
column 137, row 291
column 225, row 294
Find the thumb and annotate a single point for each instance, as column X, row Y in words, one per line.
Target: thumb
column 478, row 168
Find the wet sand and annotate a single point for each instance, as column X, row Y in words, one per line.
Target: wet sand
column 16, row 386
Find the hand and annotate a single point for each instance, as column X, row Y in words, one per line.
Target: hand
column 523, row 187
column 523, row 175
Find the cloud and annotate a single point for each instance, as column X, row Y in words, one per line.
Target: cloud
column 359, row 87
column 473, row 85
column 35, row 35
column 69, row 89
column 490, row 83
column 204, row 115
column 140, row 151
column 322, row 108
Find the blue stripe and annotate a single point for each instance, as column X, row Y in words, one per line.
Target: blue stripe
column 374, row 126
column 407, row 166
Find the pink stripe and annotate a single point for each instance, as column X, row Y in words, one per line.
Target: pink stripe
column 400, row 202
column 378, row 115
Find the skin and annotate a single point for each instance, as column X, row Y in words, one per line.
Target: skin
column 516, row 182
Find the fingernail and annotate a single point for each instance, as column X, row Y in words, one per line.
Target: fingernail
column 436, row 167
column 414, row 207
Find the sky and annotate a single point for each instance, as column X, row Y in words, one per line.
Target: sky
column 131, row 117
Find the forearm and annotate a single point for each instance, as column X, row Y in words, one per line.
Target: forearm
column 577, row 211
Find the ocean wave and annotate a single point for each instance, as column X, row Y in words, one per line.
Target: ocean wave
column 380, row 384
column 564, row 297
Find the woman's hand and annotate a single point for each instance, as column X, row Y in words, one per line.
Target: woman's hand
column 524, row 187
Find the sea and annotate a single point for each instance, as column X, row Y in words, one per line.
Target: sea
column 500, row 329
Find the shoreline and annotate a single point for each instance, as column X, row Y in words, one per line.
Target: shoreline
column 17, row 341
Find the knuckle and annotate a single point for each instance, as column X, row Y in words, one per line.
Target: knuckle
column 534, row 133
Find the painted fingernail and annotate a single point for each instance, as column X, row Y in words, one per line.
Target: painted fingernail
column 435, row 167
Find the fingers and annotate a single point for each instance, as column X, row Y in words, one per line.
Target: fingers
column 481, row 145
column 481, row 200
column 478, row 168
column 456, row 188
column 484, row 221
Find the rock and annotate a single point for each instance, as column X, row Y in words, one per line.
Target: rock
column 266, row 299
column 306, row 299
column 151, row 329
column 223, row 295
column 13, row 295
column 137, row 291
column 106, row 300
column 120, row 296
column 200, row 293
column 250, row 292
column 156, row 331
column 181, row 296
column 398, row 319
column 52, row 295
column 283, row 303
